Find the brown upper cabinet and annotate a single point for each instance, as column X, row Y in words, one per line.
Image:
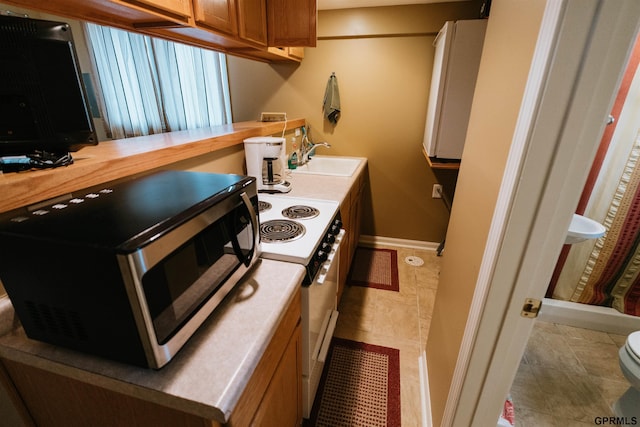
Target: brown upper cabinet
column 236, row 27
column 244, row 19
column 292, row 22
column 219, row 15
column 252, row 21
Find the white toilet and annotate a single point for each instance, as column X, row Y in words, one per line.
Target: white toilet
column 628, row 404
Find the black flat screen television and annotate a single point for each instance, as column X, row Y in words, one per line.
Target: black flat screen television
column 43, row 103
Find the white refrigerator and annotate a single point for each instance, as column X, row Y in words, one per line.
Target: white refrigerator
column 455, row 69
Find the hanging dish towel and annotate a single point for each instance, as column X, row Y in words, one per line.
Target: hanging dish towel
column 331, row 103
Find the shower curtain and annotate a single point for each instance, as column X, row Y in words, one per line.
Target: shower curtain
column 606, row 271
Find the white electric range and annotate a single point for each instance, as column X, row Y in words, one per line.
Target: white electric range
column 307, row 232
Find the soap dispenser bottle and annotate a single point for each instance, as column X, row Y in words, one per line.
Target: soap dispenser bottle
column 293, row 157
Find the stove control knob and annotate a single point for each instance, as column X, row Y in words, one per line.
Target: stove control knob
column 338, row 224
column 330, row 238
column 335, row 229
column 325, row 247
column 322, row 256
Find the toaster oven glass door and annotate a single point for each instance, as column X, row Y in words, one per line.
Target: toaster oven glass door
column 182, row 282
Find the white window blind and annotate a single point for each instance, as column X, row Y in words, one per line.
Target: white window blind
column 151, row 85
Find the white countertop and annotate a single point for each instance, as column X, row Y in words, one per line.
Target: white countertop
column 209, row 374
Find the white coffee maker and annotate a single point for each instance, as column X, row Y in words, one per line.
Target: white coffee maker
column 266, row 160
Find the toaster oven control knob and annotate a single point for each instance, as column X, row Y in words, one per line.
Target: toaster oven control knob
column 322, row 256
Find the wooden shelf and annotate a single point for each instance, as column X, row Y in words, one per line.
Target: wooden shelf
column 434, row 164
column 116, row 159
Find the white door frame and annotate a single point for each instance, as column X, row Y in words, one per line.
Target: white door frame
column 578, row 63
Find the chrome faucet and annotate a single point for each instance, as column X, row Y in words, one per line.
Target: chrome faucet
column 308, row 148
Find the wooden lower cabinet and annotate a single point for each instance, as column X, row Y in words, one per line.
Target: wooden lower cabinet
column 273, row 396
column 264, row 401
column 53, row 400
column 351, row 213
column 282, row 402
column 347, row 244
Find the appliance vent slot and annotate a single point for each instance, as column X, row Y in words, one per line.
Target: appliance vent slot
column 34, row 314
column 49, row 320
column 57, row 321
column 63, row 322
column 77, row 323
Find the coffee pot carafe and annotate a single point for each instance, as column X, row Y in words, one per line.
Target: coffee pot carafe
column 265, row 157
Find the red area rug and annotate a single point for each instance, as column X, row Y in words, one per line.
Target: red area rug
column 375, row 268
column 360, row 386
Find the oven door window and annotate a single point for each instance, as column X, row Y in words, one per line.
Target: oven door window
column 180, row 284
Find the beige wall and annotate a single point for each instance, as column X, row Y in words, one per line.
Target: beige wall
column 382, row 58
column 509, row 43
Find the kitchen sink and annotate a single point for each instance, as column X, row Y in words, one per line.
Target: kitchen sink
column 329, row 165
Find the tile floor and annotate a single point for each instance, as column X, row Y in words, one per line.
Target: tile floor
column 567, row 377
column 396, row 319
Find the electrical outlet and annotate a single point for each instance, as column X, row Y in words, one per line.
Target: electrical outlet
column 436, row 193
column 273, row 117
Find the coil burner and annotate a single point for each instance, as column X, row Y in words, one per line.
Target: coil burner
column 263, row 206
column 300, row 212
column 281, row 230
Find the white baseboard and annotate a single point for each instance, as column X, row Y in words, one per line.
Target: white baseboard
column 373, row 241
column 425, row 398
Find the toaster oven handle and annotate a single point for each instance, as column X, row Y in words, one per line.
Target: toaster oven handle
column 254, row 225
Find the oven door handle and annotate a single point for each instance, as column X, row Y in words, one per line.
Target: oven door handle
column 254, row 225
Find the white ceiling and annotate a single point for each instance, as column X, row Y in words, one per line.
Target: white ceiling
column 346, row 4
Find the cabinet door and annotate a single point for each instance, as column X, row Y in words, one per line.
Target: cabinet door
column 292, row 22
column 252, row 21
column 356, row 211
column 282, row 402
column 219, row 15
column 55, row 400
column 347, row 242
